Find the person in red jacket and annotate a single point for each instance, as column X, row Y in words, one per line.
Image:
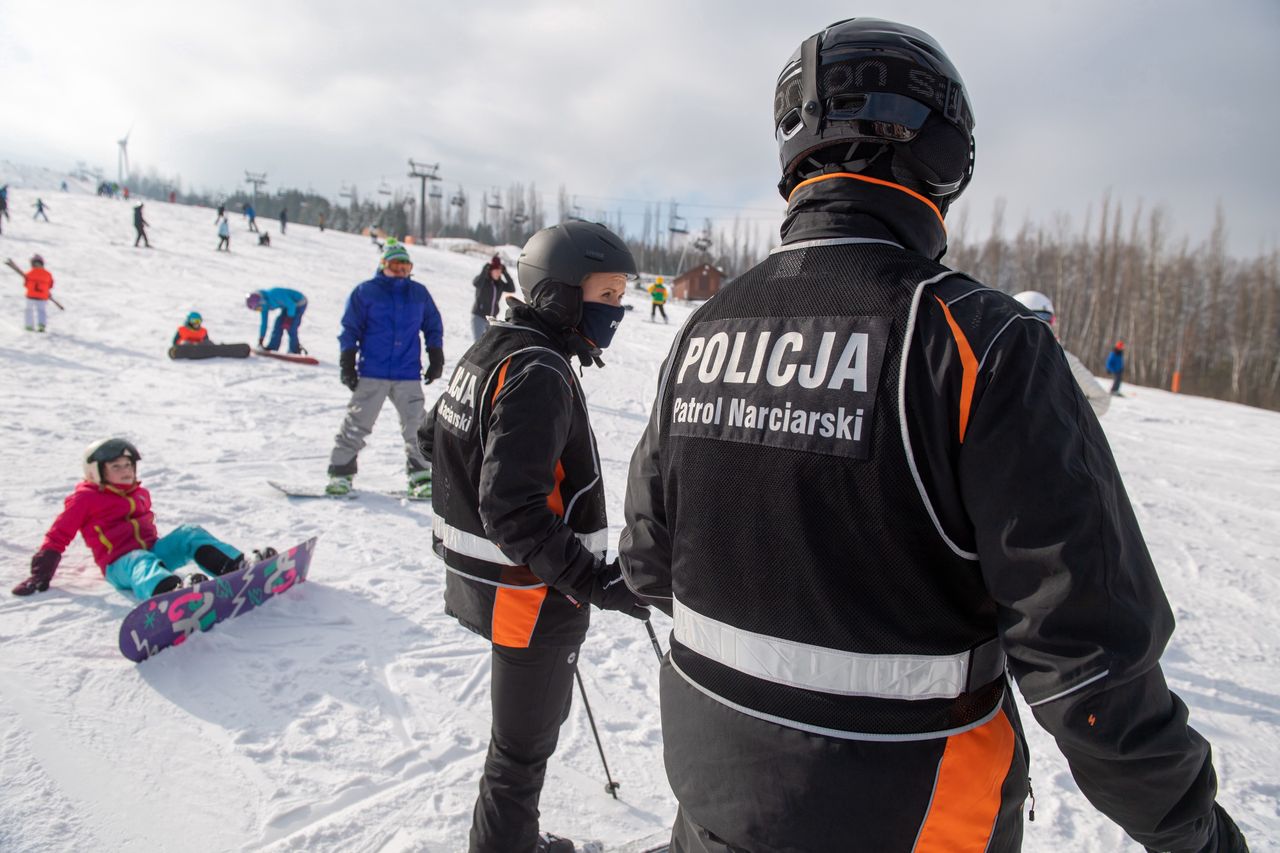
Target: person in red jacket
column 39, row 283
column 112, row 512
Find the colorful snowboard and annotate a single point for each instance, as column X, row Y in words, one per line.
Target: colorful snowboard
column 210, row 351
column 319, row 492
column 169, row 619
column 296, row 358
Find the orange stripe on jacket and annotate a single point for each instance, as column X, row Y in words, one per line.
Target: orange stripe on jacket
column 966, row 795
column 969, row 366
column 515, row 611
column 877, row 182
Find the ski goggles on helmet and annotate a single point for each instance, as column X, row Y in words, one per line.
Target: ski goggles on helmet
column 114, row 448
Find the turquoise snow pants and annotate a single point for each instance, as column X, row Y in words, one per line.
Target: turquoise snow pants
column 139, row 571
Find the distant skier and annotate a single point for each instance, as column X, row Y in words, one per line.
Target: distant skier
column 140, row 226
column 322, row 223
column 224, row 235
column 658, row 299
column 252, row 216
column 112, row 513
column 192, row 331
column 291, row 304
column 4, row 205
column 1042, row 307
column 264, row 239
column 284, row 219
column 41, row 207
column 39, row 284
column 1115, row 366
column 381, row 358
column 491, row 282
column 222, row 212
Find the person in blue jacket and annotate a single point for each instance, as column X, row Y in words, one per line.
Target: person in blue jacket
column 291, row 304
column 1115, row 366
column 381, row 358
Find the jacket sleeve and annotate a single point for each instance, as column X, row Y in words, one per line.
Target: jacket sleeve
column 644, row 550
column 262, row 321
column 508, row 286
column 67, row 524
column 528, row 428
column 1081, row 611
column 353, row 321
column 432, row 325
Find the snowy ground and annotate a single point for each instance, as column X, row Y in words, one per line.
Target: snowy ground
column 351, row 714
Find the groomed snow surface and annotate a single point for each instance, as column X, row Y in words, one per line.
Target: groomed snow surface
column 351, row 714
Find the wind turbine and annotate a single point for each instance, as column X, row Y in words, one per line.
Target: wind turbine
column 122, row 158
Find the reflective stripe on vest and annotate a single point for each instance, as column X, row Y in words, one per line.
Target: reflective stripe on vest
column 841, row 673
column 479, row 548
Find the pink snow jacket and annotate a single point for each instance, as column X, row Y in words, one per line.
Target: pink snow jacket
column 113, row 520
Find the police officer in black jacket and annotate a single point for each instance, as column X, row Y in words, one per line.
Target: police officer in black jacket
column 868, row 486
column 520, row 509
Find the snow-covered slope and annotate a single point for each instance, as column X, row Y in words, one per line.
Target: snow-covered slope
column 351, row 714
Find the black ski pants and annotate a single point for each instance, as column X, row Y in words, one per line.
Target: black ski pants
column 531, row 693
column 656, row 308
column 141, row 238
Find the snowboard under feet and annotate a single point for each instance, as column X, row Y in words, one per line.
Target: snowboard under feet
column 296, row 358
column 171, row 618
column 209, row 351
column 295, row 491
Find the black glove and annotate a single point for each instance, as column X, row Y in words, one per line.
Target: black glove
column 435, row 365
column 609, row 592
column 1228, row 839
column 347, row 364
column 43, row 565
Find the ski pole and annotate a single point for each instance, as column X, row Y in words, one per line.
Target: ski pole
column 611, row 786
column 653, row 638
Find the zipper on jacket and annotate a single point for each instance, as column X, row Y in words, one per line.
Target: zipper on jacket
column 1031, row 814
column 102, row 537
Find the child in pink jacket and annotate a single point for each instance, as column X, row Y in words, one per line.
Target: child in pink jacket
column 112, row 511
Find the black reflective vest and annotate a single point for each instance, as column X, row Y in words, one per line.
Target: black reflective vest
column 784, row 456
column 516, row 588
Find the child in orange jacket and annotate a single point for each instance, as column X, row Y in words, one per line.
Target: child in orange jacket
column 39, row 283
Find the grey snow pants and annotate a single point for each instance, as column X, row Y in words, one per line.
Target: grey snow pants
column 362, row 412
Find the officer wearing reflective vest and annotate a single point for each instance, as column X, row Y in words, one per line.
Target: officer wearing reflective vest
column 519, row 508
column 868, row 485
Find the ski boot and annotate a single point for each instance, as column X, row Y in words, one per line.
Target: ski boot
column 196, row 578
column 166, row 584
column 29, row 328
column 339, row 484
column 548, row 843
column 420, row 485
column 39, row 328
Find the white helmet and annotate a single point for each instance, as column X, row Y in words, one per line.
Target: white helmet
column 1037, row 303
column 103, row 451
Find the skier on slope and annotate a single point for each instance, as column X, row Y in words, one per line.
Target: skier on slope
column 252, row 216
column 490, row 283
column 224, row 235
column 291, row 304
column 140, row 227
column 869, row 485
column 1115, row 366
column 1040, row 305
column 38, row 282
column 111, row 511
column 381, row 359
column 658, row 299
column 40, row 207
column 520, row 511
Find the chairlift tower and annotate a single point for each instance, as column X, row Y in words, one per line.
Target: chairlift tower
column 258, row 179
column 423, row 172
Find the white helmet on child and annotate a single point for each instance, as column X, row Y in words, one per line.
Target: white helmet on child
column 105, row 450
column 1037, row 303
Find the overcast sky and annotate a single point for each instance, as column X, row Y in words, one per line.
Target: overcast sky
column 1171, row 102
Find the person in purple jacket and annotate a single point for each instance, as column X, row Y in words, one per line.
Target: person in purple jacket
column 381, row 358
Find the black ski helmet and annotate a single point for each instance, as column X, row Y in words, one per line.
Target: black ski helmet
column 863, row 88
column 103, row 451
column 556, row 260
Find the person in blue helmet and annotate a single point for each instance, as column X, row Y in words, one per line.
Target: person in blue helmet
column 291, row 304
